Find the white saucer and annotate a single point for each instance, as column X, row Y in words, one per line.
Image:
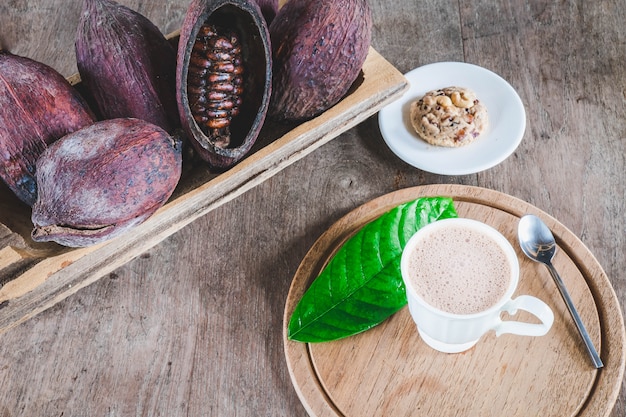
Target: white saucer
column 507, row 120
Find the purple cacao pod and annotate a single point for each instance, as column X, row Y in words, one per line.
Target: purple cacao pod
column 319, row 48
column 223, row 78
column 126, row 64
column 37, row 107
column 102, row 180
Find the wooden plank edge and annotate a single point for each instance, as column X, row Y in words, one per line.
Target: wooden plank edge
column 9, row 256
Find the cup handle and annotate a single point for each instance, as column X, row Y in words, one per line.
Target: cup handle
column 532, row 305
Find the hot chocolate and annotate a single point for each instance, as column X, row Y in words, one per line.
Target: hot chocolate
column 459, row 269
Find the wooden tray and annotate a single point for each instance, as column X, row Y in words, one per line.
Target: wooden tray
column 389, row 371
column 36, row 276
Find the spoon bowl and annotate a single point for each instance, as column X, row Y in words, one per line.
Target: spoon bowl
column 536, row 239
column 538, row 243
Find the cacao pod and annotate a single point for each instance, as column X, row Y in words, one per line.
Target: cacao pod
column 269, row 8
column 102, row 180
column 223, row 78
column 37, row 107
column 319, row 48
column 126, row 63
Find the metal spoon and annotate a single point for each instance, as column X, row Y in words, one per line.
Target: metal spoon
column 538, row 244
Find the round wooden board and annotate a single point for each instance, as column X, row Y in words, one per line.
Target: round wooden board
column 389, row 371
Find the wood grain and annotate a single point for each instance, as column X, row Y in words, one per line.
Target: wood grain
column 193, row 326
column 393, row 371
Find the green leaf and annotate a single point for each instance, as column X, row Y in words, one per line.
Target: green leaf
column 362, row 286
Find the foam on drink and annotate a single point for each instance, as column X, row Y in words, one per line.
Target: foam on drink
column 459, row 270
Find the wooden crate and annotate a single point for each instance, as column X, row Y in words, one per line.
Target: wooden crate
column 36, row 276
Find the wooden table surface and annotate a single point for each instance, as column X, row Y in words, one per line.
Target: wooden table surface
column 193, row 327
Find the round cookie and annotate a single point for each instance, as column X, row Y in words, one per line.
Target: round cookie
column 449, row 117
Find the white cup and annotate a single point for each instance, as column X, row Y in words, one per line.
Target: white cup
column 453, row 332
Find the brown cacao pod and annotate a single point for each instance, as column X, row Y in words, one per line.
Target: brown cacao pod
column 102, row 180
column 126, row 63
column 223, row 78
column 37, row 107
column 319, row 48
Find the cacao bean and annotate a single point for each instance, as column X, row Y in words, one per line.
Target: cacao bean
column 102, row 180
column 127, row 64
column 319, row 48
column 37, row 106
column 223, row 78
column 218, row 51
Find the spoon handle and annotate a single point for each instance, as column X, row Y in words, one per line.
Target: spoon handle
column 593, row 354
